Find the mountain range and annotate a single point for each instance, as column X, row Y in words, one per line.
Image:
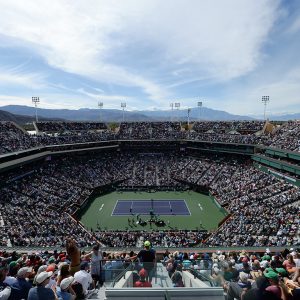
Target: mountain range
column 115, row 115
column 23, row 114
column 19, row 119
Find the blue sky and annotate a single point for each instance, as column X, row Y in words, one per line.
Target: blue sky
column 149, row 53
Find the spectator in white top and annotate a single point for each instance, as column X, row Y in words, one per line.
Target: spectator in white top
column 84, row 277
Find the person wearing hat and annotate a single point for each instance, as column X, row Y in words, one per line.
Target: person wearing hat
column 143, row 282
column 22, row 286
column 282, row 272
column 40, row 292
column 65, row 290
column 274, row 283
column 148, row 257
column 41, row 269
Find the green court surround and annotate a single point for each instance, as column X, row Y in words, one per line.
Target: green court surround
column 205, row 213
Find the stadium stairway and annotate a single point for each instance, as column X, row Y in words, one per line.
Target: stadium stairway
column 161, row 278
column 162, row 288
column 100, row 295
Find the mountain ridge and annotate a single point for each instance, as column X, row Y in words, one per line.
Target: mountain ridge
column 116, row 115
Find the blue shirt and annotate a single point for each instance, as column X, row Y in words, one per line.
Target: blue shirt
column 41, row 293
column 20, row 289
column 62, row 295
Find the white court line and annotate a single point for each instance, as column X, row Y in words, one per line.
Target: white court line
column 187, row 207
column 101, row 207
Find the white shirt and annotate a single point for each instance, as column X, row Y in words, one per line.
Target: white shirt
column 4, row 295
column 84, row 278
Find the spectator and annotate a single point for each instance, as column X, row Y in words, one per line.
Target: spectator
column 65, row 290
column 40, row 292
column 177, row 277
column 84, row 278
column 96, row 257
column 21, row 287
column 143, row 281
column 147, row 257
column 5, row 289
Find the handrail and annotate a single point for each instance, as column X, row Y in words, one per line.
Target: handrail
column 167, row 295
column 122, row 274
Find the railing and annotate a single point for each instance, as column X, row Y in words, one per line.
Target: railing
column 113, row 275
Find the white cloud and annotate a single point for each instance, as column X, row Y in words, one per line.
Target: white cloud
column 24, row 79
column 294, row 27
column 211, row 39
column 284, row 93
column 15, row 100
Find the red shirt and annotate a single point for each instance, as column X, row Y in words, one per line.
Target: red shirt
column 143, row 284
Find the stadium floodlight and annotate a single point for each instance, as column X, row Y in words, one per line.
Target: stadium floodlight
column 177, row 105
column 172, row 107
column 188, row 117
column 199, row 110
column 265, row 100
column 36, row 100
column 123, row 106
column 100, row 105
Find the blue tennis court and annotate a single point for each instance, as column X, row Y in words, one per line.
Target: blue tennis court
column 144, row 207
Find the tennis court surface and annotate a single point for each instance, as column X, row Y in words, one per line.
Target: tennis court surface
column 144, row 207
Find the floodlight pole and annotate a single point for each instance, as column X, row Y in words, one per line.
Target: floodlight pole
column 172, row 107
column 177, row 105
column 265, row 100
column 100, row 105
column 36, row 100
column 199, row 110
column 188, row 117
column 123, row 105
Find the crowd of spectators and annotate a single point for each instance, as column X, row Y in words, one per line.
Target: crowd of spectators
column 57, row 133
column 150, row 130
column 72, row 274
column 242, row 127
column 286, row 137
column 243, row 275
column 261, row 206
column 61, row 186
column 159, row 238
column 29, row 221
column 150, row 170
column 13, row 139
column 59, row 127
column 250, row 139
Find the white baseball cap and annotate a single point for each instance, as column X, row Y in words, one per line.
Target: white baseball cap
column 65, row 283
column 23, row 271
column 40, row 278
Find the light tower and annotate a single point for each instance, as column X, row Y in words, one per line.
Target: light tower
column 36, row 100
column 188, row 117
column 123, row 106
column 265, row 100
column 172, row 107
column 177, row 106
column 100, row 105
column 199, row 110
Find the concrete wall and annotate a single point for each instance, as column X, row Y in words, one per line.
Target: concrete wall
column 160, row 294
